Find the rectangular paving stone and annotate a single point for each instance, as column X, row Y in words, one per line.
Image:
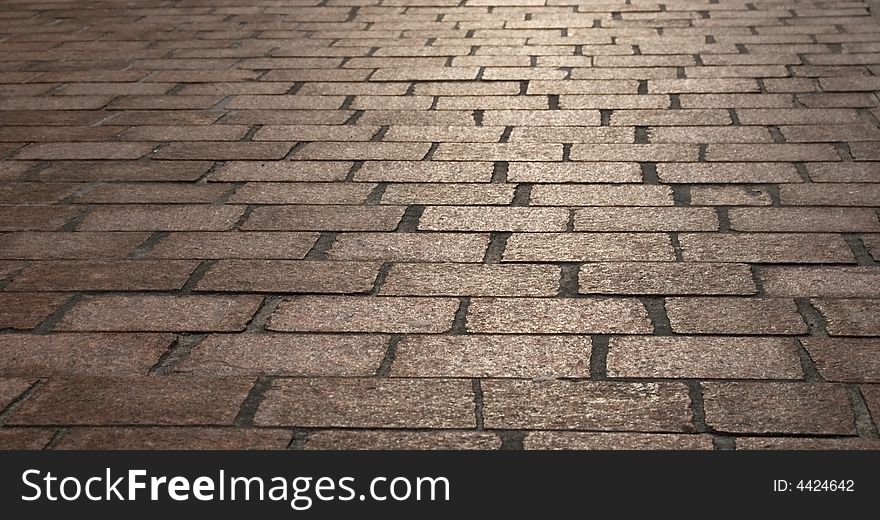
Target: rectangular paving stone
column 108, row 171
column 842, row 172
column 160, row 313
column 765, row 248
column 448, row 194
column 234, row 244
column 498, row 152
column 342, row 151
column 806, row 443
column 26, row 310
column 66, row 245
column 410, row 247
column 588, row 247
column 848, row 360
column 281, row 171
column 289, row 276
column 804, row 219
column 432, row 279
column 492, row 356
column 106, row 275
column 84, row 151
column 849, row 316
column 665, row 278
column 401, row 440
column 558, row 172
column 166, row 400
column 600, row 195
column 557, row 316
column 301, row 193
column 324, row 218
column 218, row 151
column 424, row 171
column 11, row 388
column 286, row 355
column 829, row 282
column 777, row 152
column 42, row 355
column 706, row 357
column 787, row 408
column 730, row 315
column 586, row 405
column 368, row 403
column 492, row 218
column 173, row 438
column 645, row 219
column 635, row 152
column 729, row 172
column 36, row 217
column 25, row 438
column 562, row 440
column 364, row 314
column 149, row 217
column 809, row 194
column 152, row 193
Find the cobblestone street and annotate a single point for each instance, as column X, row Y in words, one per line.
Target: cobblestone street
column 413, row 224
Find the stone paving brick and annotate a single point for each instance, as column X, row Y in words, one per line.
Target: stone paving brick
column 542, row 172
column 152, row 193
column 89, row 275
column 842, row 172
column 219, row 151
column 234, row 244
column 849, row 360
column 30, row 355
column 159, row 313
column 789, row 408
column 560, row 316
column 492, row 218
column 448, row 194
column 707, row 357
column 410, row 247
column 286, row 355
column 364, row 314
column 36, row 218
column 872, row 399
column 432, row 279
column 727, row 172
column 169, row 400
column 196, row 217
column 558, row 440
column 109, row 171
column 665, row 278
column 516, row 404
column 26, row 310
column 362, row 151
column 492, row 356
column 174, row 438
column 728, row 315
column 778, row 152
column 709, row 134
column 730, row 196
column 600, row 195
column 645, row 219
column 401, row 440
column 322, row 218
column 12, row 388
column 301, row 193
column 830, row 282
column 850, row 317
column 804, row 219
column 25, row 438
column 368, row 403
column 842, row 194
column 634, row 152
column 806, row 443
column 84, row 151
column 293, row 276
column 588, row 247
column 281, row 171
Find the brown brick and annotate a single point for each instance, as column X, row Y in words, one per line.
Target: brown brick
column 324, row 218
column 542, row 118
column 282, row 171
column 286, row 117
column 645, row 219
column 830, row 133
column 25, row 438
column 152, row 193
column 489, row 102
column 448, row 194
column 586, row 405
column 54, row 102
column 791, row 408
column 63, row 245
column 544, row 172
column 471, row 280
column 612, row 102
column 665, row 278
column 702, row 85
column 865, row 151
column 11, row 389
column 166, row 400
column 498, row 152
column 286, row 355
column 95, row 354
column 572, row 134
column 765, row 248
column 401, row 440
column 588, row 247
column 565, row 316
column 362, row 151
column 697, row 117
column 222, row 151
column 86, row 151
column 89, row 275
column 737, row 101
column 840, row 194
column 850, row 317
column 803, row 219
column 368, row 403
column 703, row 358
column 709, row 134
column 160, row 313
column 35, row 193
column 492, row 218
column 109, row 171
column 728, row 173
column 295, row 276
column 729, row 315
column 417, row 118
column 234, row 244
column 872, row 398
column 285, row 102
column 36, row 218
column 427, row 74
column 408, row 247
column 301, row 193
column 492, row 356
column 558, row 440
column 27, row 310
column 315, row 133
column 364, row 314
column 185, row 133
column 463, row 134
column 796, row 116
column 730, row 196
column 173, row 438
column 844, row 359
column 831, row 282
column 806, row 443
column 634, row 152
column 424, row 171
column 201, row 217
column 778, row 152
column 600, row 195
column 850, row 84
column 842, row 172
column 164, row 102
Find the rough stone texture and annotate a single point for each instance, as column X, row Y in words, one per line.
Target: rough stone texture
column 849, row 360
column 734, row 316
column 191, row 438
column 364, row 314
column 556, row 440
column 561, row 316
column 665, row 278
column 850, row 317
column 471, row 280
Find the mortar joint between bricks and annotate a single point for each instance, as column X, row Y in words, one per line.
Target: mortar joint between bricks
column 521, row 195
column 147, row 245
column 248, row 409
column 599, row 356
column 380, row 277
column 656, row 310
column 299, row 439
column 568, row 279
column 17, row 402
column 260, row 318
column 409, row 222
column 723, row 442
column 478, row 404
column 57, row 435
column 756, row 271
column 676, row 246
column 196, row 276
column 512, row 440
column 859, row 250
column 46, row 326
column 384, row 368
column 459, row 321
column 815, row 321
column 245, row 215
column 321, row 246
column 698, row 408
column 497, row 244
column 808, row 365
column 865, row 425
column 179, row 349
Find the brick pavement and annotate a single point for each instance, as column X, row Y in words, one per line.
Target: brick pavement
column 515, row 224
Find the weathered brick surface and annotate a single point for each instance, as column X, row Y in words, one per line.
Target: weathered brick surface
column 411, row 222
